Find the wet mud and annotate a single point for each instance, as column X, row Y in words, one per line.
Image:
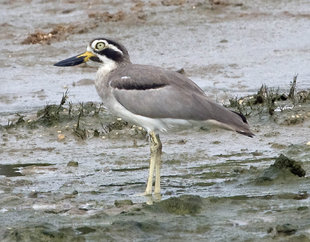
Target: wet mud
column 69, row 171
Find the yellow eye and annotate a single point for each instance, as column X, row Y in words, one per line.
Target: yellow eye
column 100, row 46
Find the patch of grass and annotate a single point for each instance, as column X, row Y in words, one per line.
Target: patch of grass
column 291, row 94
column 78, row 131
column 267, row 100
column 51, row 113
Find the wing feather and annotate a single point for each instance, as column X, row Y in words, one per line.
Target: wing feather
column 165, row 94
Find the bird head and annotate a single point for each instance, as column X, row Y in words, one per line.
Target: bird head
column 99, row 50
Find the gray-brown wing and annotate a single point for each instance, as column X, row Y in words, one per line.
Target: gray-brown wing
column 166, row 94
column 142, row 77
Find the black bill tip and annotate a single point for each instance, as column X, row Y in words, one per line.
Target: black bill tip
column 73, row 61
column 76, row 60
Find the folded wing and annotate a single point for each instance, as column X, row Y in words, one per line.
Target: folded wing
column 168, row 94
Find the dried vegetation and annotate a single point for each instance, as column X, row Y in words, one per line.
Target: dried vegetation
column 284, row 108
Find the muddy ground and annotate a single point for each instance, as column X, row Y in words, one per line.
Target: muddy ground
column 71, row 172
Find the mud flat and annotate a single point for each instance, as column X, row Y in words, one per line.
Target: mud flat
column 71, row 172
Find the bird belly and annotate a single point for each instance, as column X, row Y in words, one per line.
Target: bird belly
column 149, row 124
column 153, row 124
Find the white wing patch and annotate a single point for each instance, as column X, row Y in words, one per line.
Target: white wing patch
column 125, row 77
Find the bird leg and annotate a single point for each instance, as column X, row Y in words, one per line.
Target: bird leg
column 158, row 164
column 155, row 161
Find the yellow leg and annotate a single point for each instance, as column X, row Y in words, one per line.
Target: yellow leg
column 148, row 190
column 155, row 161
column 158, row 165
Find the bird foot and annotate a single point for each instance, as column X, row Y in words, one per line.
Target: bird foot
column 143, row 194
column 150, row 198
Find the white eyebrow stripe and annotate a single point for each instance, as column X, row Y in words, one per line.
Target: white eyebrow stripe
column 113, row 47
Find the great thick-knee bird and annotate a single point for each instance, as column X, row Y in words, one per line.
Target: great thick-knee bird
column 152, row 97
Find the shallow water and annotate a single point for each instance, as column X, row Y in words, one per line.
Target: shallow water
column 229, row 51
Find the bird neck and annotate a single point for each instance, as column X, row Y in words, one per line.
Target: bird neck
column 106, row 67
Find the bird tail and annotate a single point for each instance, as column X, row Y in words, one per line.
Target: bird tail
column 247, row 131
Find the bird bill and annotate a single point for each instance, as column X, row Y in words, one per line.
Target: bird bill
column 76, row 60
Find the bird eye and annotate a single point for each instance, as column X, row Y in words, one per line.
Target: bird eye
column 100, row 46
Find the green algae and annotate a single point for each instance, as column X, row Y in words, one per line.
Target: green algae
column 183, row 205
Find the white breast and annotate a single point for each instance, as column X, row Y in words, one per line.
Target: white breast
column 107, row 66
